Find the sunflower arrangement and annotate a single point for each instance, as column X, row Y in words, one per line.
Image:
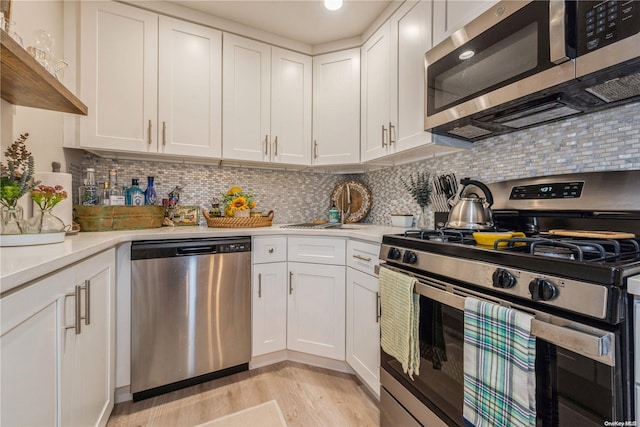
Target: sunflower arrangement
column 237, row 200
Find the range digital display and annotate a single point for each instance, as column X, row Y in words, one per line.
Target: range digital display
column 554, row 190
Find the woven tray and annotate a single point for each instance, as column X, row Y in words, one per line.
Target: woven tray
column 230, row 222
column 109, row 218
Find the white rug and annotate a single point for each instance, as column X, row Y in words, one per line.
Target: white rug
column 263, row 415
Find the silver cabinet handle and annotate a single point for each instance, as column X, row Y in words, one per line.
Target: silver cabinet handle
column 271, row 250
column 361, row 258
column 76, row 321
column 384, row 130
column 391, row 128
column 87, row 302
column 150, row 127
column 164, row 133
column 275, row 147
column 259, row 285
column 290, row 282
column 377, row 307
column 315, row 149
column 266, row 145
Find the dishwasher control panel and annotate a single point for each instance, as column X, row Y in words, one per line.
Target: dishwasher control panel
column 150, row 249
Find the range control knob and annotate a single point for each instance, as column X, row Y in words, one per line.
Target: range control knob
column 410, row 257
column 394, row 253
column 503, row 279
column 542, row 290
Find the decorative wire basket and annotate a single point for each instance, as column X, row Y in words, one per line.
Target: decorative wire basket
column 231, row 222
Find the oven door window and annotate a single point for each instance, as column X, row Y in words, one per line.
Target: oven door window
column 440, row 383
column 520, row 44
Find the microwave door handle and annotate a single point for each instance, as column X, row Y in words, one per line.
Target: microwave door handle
column 557, row 31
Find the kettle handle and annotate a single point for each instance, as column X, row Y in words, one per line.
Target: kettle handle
column 487, row 193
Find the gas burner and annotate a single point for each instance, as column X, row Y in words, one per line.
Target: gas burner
column 443, row 235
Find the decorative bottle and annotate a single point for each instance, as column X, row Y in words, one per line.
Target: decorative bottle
column 150, row 196
column 334, row 214
column 89, row 191
column 105, row 198
column 116, row 196
column 135, row 195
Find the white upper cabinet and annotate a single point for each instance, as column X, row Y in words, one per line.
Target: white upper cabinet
column 189, row 89
column 336, row 108
column 266, row 103
column 152, row 83
column 376, row 98
column 451, row 15
column 393, row 83
column 119, row 77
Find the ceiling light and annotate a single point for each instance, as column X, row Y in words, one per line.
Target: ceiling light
column 466, row 54
column 333, row 4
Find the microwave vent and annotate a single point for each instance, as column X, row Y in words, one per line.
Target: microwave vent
column 556, row 111
column 469, row 132
column 617, row 89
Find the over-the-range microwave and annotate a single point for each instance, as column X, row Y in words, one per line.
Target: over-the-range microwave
column 522, row 63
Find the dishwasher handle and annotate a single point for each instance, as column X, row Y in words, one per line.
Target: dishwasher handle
column 197, row 250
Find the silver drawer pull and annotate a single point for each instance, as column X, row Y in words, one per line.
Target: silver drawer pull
column 259, row 285
column 271, row 250
column 378, row 307
column 361, row 258
column 290, row 282
column 76, row 321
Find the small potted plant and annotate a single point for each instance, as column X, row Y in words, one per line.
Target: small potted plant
column 420, row 188
column 46, row 198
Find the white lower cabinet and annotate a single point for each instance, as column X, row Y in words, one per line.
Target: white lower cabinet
column 315, row 309
column 269, row 311
column 363, row 313
column 57, row 343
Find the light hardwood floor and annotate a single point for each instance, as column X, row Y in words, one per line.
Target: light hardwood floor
column 307, row 396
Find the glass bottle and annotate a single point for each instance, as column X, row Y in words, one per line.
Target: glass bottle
column 105, row 197
column 44, row 221
column 12, row 222
column 89, row 191
column 334, row 214
column 150, row 196
column 116, row 195
column 135, row 195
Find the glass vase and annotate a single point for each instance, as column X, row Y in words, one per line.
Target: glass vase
column 150, row 195
column 423, row 218
column 44, row 221
column 12, row 221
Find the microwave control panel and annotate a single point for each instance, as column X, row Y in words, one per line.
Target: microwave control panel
column 554, row 190
column 600, row 23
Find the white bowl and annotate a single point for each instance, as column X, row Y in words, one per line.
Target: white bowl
column 404, row 221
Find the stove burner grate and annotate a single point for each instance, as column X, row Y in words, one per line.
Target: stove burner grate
column 573, row 249
column 443, row 235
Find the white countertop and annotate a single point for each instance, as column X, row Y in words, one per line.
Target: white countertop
column 22, row 264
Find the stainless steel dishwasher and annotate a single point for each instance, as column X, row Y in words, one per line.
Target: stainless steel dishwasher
column 190, row 312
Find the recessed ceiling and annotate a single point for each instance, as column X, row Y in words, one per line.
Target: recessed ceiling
column 306, row 21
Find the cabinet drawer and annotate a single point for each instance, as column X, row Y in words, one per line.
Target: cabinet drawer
column 363, row 256
column 269, row 249
column 319, row 250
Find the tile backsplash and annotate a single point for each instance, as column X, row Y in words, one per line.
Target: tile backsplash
column 605, row 140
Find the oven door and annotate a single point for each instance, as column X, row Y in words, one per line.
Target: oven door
column 576, row 380
column 513, row 50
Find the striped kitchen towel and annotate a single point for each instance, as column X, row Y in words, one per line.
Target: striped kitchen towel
column 499, row 366
column 400, row 311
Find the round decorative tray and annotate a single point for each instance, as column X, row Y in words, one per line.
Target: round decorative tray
column 31, row 239
column 360, row 199
column 231, row 222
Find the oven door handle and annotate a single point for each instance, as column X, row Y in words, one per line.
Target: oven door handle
column 596, row 347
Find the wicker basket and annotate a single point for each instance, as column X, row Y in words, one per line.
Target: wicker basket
column 109, row 218
column 230, row 222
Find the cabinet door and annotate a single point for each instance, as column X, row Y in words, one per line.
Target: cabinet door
column 363, row 327
column 246, row 74
column 375, row 83
column 451, row 15
column 336, row 108
column 290, row 107
column 119, row 77
column 189, row 89
column 31, row 325
column 269, row 308
column 410, row 39
column 316, row 309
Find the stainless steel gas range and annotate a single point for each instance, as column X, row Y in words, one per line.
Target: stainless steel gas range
column 575, row 287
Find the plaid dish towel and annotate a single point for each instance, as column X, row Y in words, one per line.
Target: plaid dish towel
column 499, row 366
column 400, row 311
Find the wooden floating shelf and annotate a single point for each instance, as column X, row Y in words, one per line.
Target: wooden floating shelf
column 25, row 82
